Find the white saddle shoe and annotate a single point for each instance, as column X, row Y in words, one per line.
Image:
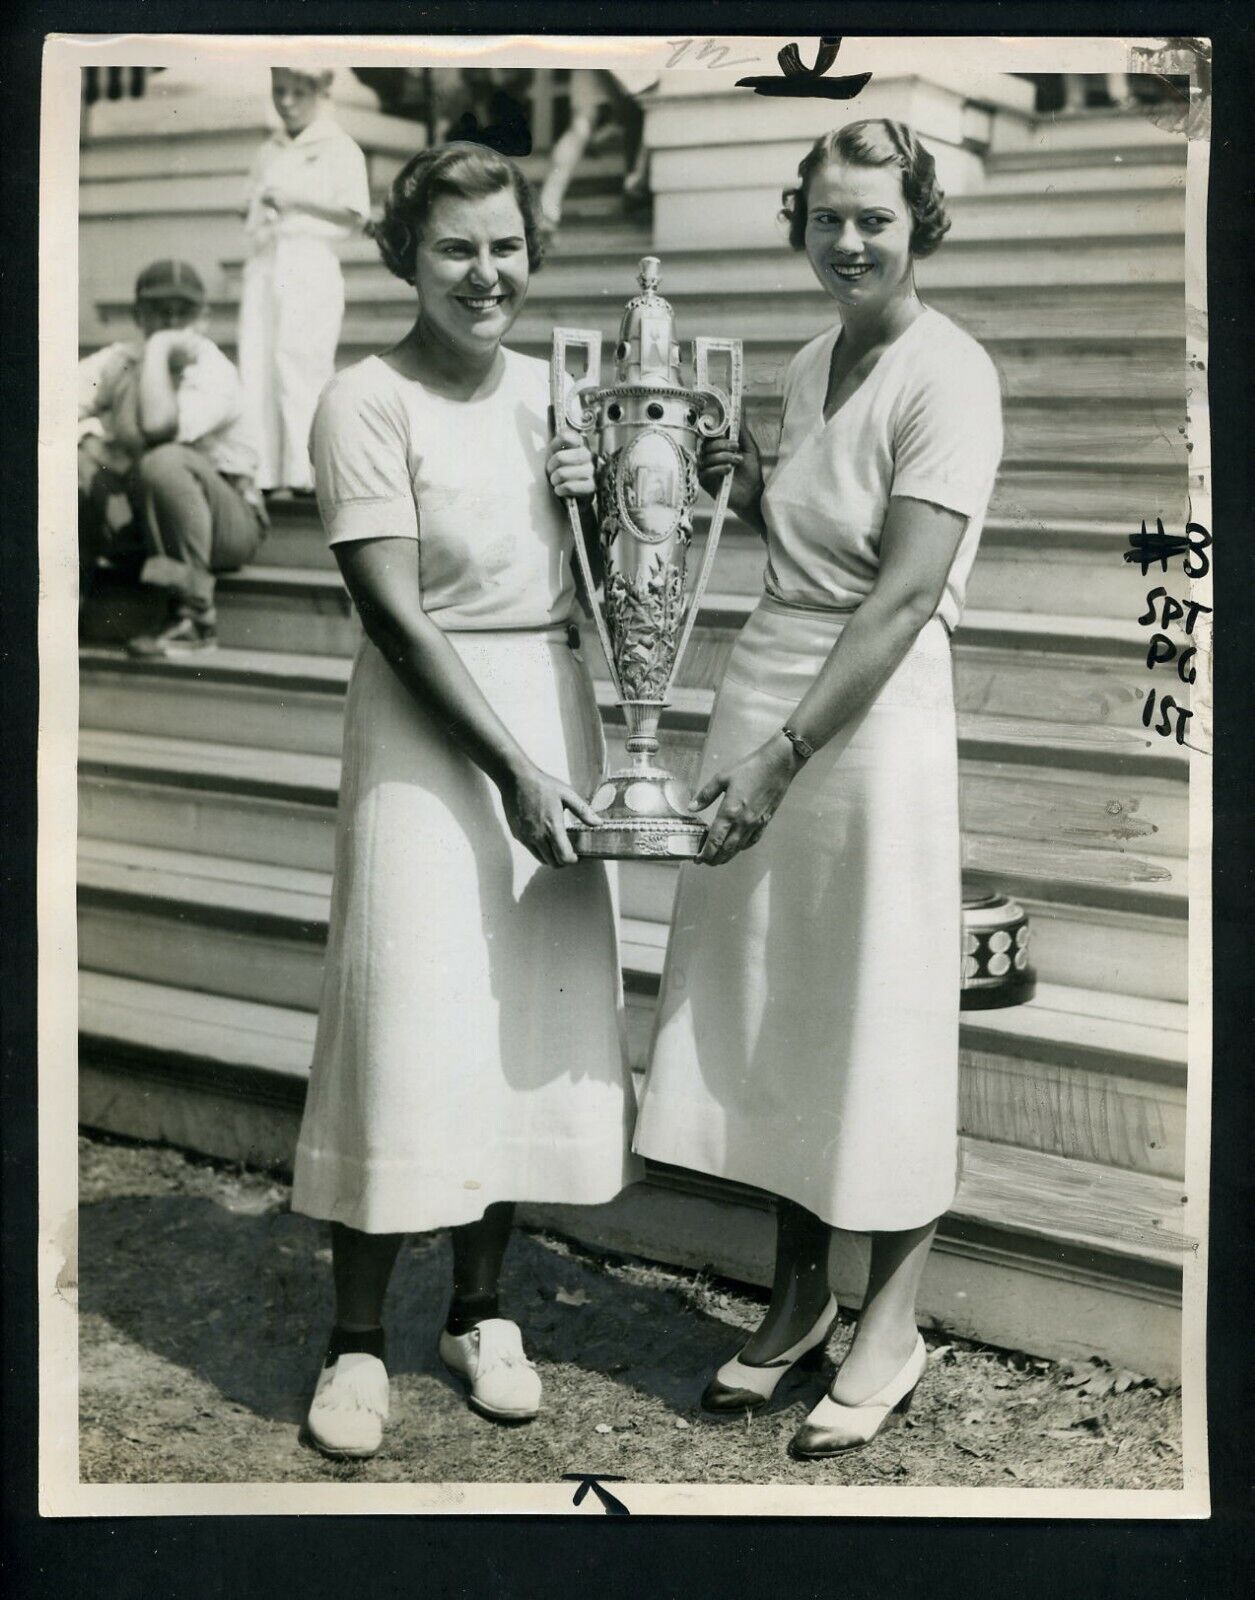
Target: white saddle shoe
column 350, row 1406
column 504, row 1384
column 832, row 1427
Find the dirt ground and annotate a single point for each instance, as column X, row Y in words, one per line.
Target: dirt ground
column 205, row 1303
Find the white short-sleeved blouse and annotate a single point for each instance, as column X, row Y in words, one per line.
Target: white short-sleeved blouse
column 925, row 424
column 322, row 163
column 466, row 478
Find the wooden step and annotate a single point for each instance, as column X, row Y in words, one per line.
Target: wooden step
column 165, row 195
column 1147, row 370
column 1104, row 1215
column 1138, row 160
column 1023, row 565
column 1041, row 1253
column 961, row 264
column 1084, row 170
column 1039, row 572
column 1076, row 838
column 1037, row 355
column 596, row 274
column 1060, row 689
column 1060, row 433
column 1096, row 938
column 1053, row 578
column 1056, row 134
column 792, row 313
column 1140, row 209
column 1102, row 917
column 1063, row 370
column 1061, row 566
column 1057, row 690
column 766, row 293
column 1045, row 491
column 1111, row 1076
column 744, row 219
column 1110, row 912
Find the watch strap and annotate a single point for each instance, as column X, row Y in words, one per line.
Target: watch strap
column 805, row 750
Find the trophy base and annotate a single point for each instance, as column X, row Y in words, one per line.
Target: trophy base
column 640, row 839
column 644, row 813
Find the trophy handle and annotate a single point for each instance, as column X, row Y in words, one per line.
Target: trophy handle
column 728, row 421
column 569, row 399
column 729, row 424
column 569, row 395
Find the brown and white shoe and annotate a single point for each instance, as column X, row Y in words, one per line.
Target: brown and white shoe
column 832, row 1428
column 740, row 1387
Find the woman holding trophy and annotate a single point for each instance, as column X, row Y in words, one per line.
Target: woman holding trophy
column 470, row 1040
column 807, row 1036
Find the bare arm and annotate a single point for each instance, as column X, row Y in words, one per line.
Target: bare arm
column 280, row 200
column 746, row 466
column 382, row 578
column 917, row 550
column 158, row 389
column 918, row 545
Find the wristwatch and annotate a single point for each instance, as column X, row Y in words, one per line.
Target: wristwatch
column 805, row 750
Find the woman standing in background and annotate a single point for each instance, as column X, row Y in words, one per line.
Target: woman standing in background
column 308, row 190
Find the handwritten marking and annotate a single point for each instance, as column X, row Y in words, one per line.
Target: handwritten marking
column 808, row 83
column 595, row 1481
column 708, row 48
column 1162, row 611
column 1147, row 548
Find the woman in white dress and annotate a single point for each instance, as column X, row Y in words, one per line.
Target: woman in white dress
column 308, row 192
column 470, row 1037
column 807, row 1036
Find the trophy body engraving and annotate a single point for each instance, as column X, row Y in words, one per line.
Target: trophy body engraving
column 644, row 430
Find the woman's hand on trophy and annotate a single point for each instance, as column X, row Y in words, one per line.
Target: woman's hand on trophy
column 752, row 790
column 570, row 467
column 534, row 804
column 717, row 458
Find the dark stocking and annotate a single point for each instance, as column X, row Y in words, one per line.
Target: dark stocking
column 800, row 1285
column 478, row 1251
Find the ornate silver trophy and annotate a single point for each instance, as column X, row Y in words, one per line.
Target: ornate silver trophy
column 644, row 430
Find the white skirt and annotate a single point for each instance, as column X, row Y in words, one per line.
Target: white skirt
column 807, row 1034
column 470, row 1040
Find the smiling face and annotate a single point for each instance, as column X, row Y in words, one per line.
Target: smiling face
column 471, row 271
column 296, row 99
column 858, row 234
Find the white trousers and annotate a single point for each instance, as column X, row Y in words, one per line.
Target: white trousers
column 291, row 310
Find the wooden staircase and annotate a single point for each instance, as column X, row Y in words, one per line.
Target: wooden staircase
column 207, row 787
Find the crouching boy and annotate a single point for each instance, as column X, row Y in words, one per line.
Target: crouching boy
column 166, row 463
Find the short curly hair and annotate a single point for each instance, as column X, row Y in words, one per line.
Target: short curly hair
column 470, row 171
column 876, row 142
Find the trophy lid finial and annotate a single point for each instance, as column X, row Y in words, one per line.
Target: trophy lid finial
column 648, row 276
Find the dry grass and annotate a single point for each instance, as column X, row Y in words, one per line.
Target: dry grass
column 204, row 1303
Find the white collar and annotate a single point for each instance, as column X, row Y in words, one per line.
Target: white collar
column 322, row 128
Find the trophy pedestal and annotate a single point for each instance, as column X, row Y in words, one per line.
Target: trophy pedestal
column 645, row 814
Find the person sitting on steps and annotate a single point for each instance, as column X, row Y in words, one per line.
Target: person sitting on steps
column 165, row 460
column 594, row 93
